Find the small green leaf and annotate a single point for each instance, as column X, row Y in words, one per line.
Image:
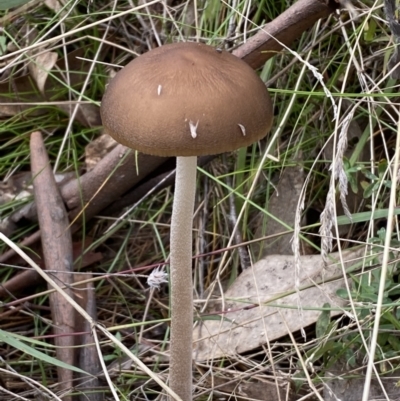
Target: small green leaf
column 350, row 357
column 369, row 30
column 370, row 189
column 6, row 4
column 323, row 321
column 215, row 317
column 394, row 342
column 387, row 184
column 364, row 184
column 382, row 234
column 369, row 297
column 3, row 45
column 299, row 379
column 353, row 183
column 9, row 339
column 342, row 293
column 370, row 175
column 382, row 339
column 382, row 167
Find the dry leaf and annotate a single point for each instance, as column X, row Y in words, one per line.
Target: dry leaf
column 88, row 114
column 40, row 68
column 55, row 5
column 267, row 282
column 17, row 91
column 97, row 149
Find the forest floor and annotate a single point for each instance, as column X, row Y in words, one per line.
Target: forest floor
column 296, row 281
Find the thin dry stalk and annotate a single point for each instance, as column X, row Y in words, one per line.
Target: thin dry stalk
column 88, row 359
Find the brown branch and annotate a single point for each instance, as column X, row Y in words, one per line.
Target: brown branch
column 57, row 252
column 88, row 359
column 111, row 177
column 32, row 278
column 157, row 183
column 285, row 28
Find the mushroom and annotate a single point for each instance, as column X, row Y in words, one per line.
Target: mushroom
column 185, row 100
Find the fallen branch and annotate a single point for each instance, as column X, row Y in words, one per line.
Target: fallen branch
column 284, row 30
column 57, row 252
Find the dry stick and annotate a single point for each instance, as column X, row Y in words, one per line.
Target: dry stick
column 286, row 28
column 161, row 181
column 57, row 252
column 26, row 242
column 30, row 277
column 88, row 359
column 114, row 174
column 40, row 389
column 146, row 311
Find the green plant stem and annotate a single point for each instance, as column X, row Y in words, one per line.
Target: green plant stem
column 180, row 378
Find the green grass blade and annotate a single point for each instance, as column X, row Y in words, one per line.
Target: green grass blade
column 362, row 217
column 6, row 4
column 9, row 339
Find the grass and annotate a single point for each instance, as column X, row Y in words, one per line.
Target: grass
column 352, row 57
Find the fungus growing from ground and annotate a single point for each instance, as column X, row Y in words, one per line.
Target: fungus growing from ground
column 185, row 100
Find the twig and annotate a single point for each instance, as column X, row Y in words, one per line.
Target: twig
column 57, row 251
column 286, row 28
column 88, row 358
column 30, row 277
column 109, row 179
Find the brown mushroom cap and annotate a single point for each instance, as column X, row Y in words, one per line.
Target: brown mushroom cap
column 186, row 99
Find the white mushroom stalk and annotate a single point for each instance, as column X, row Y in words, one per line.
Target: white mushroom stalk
column 181, row 246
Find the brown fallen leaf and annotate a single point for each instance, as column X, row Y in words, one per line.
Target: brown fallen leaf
column 21, row 93
column 15, row 93
column 268, row 282
column 40, row 67
column 54, row 5
column 97, row 149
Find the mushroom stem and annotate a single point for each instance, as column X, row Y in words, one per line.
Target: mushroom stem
column 180, row 378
